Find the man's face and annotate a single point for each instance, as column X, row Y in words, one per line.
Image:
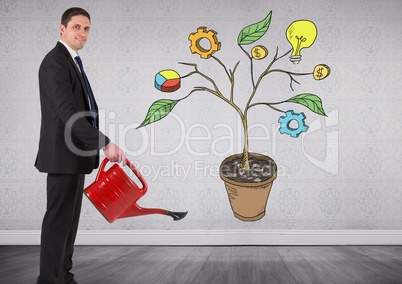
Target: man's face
column 76, row 33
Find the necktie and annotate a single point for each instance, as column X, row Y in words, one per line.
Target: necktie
column 90, row 95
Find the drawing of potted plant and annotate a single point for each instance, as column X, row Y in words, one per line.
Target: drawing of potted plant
column 248, row 176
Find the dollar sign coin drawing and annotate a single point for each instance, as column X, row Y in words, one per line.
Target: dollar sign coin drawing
column 259, row 52
column 321, row 71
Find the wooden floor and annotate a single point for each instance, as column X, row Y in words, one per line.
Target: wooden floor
column 214, row 264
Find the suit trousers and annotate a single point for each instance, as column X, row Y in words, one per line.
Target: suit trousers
column 59, row 227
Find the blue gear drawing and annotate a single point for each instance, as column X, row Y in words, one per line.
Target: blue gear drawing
column 285, row 124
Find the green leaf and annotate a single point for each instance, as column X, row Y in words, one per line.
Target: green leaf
column 311, row 101
column 254, row 32
column 158, row 110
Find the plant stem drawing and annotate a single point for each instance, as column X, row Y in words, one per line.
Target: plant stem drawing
column 247, row 36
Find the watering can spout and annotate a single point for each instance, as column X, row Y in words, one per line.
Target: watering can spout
column 136, row 210
column 177, row 215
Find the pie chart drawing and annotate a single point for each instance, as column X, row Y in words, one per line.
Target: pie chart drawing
column 167, row 81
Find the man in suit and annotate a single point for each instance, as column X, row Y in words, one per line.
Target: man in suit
column 69, row 144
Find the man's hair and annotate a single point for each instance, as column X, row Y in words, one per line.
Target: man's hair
column 75, row 11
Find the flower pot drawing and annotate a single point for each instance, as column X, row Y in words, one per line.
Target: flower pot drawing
column 249, row 199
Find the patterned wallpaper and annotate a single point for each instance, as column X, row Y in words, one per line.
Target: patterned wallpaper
column 345, row 173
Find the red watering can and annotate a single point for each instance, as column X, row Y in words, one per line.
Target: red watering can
column 115, row 194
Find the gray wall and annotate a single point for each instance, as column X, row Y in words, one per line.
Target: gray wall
column 343, row 174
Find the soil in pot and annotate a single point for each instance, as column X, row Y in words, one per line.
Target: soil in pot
column 260, row 170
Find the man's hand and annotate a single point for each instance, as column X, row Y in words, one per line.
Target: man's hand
column 114, row 153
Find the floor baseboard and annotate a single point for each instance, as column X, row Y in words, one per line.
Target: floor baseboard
column 216, row 237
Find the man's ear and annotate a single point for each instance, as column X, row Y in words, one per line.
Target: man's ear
column 62, row 28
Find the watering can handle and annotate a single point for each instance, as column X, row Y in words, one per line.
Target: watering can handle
column 138, row 174
column 130, row 165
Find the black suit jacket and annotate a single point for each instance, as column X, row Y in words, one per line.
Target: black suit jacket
column 68, row 144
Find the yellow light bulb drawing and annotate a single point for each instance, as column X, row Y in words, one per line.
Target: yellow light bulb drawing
column 300, row 34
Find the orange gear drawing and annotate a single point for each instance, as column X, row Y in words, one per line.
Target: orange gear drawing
column 195, row 39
